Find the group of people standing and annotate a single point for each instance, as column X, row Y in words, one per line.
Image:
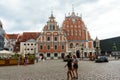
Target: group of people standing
column 72, row 64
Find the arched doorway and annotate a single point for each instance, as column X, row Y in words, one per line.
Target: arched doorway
column 85, row 54
column 62, row 55
column 41, row 56
column 78, row 54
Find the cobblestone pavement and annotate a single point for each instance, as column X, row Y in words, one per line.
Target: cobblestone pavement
column 54, row 70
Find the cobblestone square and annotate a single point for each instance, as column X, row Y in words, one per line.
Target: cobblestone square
column 55, row 70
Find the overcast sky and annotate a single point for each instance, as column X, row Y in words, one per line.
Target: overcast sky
column 102, row 17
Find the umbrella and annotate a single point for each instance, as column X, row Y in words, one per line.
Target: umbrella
column 6, row 52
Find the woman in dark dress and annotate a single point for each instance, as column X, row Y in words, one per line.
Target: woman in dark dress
column 75, row 66
column 69, row 65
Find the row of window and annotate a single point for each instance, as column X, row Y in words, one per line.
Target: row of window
column 72, row 46
column 52, row 27
column 49, row 47
column 73, row 33
column 55, row 55
column 55, row 38
column 29, row 44
column 29, row 49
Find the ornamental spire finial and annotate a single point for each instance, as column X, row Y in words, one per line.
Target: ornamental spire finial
column 51, row 12
column 72, row 8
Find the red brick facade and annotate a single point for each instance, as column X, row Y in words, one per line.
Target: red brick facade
column 52, row 41
column 77, row 35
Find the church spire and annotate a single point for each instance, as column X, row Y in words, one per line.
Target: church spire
column 51, row 12
column 51, row 17
column 73, row 13
column 72, row 8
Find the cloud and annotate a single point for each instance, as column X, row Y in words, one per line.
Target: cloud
column 100, row 16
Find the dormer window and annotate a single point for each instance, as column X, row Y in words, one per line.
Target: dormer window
column 51, row 27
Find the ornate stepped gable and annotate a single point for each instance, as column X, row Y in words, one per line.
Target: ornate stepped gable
column 52, row 40
column 75, row 28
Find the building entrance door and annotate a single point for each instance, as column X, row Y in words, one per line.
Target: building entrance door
column 78, row 54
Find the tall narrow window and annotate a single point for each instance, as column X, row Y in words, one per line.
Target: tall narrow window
column 55, row 47
column 41, row 47
column 62, row 46
column 55, row 38
column 48, row 47
column 53, row 27
column 48, row 38
column 48, row 54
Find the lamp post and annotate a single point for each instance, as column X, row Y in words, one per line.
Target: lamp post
column 97, row 53
column 114, row 48
column 82, row 50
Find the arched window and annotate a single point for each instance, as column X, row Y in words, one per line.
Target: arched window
column 77, row 44
column 71, row 45
column 48, row 38
column 55, row 54
column 55, row 38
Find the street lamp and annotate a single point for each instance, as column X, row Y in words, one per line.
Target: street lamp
column 114, row 48
column 82, row 50
column 97, row 53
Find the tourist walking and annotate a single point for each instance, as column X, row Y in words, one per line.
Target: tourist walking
column 69, row 66
column 75, row 66
column 26, row 60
